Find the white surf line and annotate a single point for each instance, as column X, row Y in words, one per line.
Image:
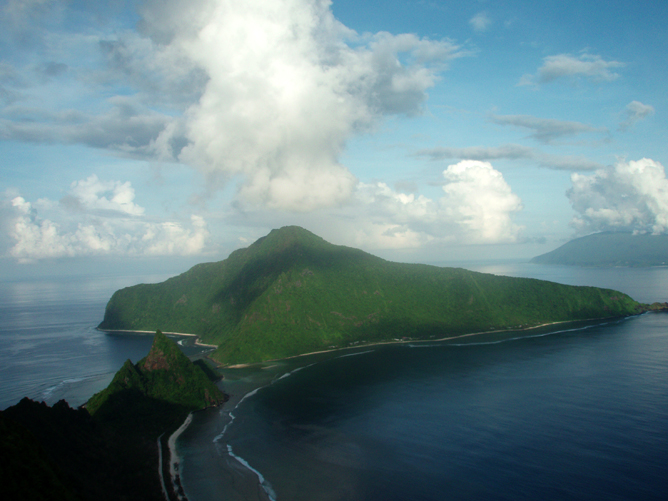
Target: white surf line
column 266, row 486
column 355, row 354
column 162, row 477
column 517, row 338
column 174, row 459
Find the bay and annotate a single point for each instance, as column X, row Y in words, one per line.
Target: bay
column 566, row 414
column 49, row 346
column 552, row 414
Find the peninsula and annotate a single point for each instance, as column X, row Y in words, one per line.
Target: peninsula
column 291, row 292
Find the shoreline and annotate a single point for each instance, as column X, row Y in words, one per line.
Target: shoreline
column 252, row 476
column 182, row 334
column 175, row 459
column 366, row 345
column 404, row 341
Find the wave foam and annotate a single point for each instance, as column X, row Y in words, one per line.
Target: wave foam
column 445, row 343
column 266, row 486
column 355, row 354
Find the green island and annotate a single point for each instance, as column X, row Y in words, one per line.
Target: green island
column 291, row 293
column 288, row 294
column 116, row 445
column 610, row 249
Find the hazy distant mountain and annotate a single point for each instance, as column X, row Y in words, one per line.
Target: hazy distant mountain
column 610, row 249
column 292, row 292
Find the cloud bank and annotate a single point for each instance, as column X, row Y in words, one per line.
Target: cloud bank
column 101, row 217
column 631, row 196
column 96, row 218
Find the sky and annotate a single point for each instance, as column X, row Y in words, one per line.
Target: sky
column 158, row 134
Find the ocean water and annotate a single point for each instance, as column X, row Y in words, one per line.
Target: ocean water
column 560, row 413
column 49, row 347
column 546, row 414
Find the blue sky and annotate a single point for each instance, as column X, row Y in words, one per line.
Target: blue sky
column 146, row 133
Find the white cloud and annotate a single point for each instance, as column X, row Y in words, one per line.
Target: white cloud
column 545, row 130
column 566, row 65
column 629, row 195
column 96, row 218
column 480, row 22
column 95, row 195
column 261, row 93
column 287, row 87
column 634, row 112
column 476, row 207
column 479, row 199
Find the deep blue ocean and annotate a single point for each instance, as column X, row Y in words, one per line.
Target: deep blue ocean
column 560, row 413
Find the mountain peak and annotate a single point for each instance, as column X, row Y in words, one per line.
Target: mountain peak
column 162, row 352
column 288, row 236
column 165, row 374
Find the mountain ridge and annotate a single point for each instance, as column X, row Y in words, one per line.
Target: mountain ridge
column 610, row 249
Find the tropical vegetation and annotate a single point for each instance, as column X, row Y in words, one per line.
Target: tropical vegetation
column 292, row 292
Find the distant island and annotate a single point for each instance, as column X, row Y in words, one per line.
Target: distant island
column 291, row 293
column 610, row 249
column 116, row 445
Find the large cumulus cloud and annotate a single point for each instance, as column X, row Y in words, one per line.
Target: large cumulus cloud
column 260, row 93
column 628, row 196
column 287, row 86
column 476, row 207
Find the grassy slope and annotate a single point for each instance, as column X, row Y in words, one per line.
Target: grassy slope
column 291, row 292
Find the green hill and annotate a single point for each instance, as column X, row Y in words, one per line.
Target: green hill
column 610, row 249
column 107, row 450
column 165, row 378
column 292, row 292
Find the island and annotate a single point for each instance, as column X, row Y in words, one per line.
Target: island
column 116, row 445
column 610, row 249
column 292, row 293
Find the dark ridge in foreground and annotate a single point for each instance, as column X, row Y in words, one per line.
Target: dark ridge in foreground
column 292, row 292
column 108, row 448
column 610, row 249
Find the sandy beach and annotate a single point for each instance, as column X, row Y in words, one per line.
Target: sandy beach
column 198, row 342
